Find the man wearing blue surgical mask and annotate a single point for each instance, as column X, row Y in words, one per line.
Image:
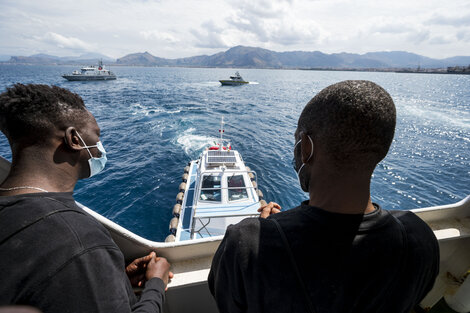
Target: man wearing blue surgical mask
column 55, row 256
column 337, row 251
column 95, row 163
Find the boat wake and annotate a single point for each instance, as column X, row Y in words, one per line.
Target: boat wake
column 193, row 144
column 139, row 109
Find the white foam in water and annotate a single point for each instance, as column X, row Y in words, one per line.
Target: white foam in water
column 140, row 109
column 173, row 112
column 437, row 114
column 193, row 144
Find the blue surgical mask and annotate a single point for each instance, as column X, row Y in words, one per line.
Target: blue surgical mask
column 96, row 164
column 303, row 164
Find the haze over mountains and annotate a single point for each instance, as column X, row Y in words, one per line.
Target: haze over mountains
column 46, row 59
column 252, row 57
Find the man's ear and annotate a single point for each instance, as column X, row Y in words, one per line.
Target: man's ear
column 71, row 139
column 307, row 148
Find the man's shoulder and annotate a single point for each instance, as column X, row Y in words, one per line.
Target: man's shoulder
column 418, row 231
column 252, row 229
column 410, row 220
column 56, row 212
column 249, row 234
column 247, row 228
column 38, row 204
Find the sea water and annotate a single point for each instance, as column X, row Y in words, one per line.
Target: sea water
column 154, row 120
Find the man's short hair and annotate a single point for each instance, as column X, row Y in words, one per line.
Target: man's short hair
column 354, row 120
column 32, row 112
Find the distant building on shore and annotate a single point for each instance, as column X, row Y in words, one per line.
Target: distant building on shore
column 458, row 69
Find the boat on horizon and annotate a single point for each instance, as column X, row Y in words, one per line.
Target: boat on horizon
column 91, row 73
column 235, row 80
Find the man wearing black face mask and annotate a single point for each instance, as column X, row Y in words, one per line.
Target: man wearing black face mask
column 54, row 256
column 338, row 251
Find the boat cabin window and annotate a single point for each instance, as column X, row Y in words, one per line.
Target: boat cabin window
column 211, row 188
column 236, row 188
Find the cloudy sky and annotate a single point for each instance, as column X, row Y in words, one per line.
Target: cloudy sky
column 180, row 28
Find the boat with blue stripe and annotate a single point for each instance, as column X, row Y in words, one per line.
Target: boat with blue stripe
column 218, row 189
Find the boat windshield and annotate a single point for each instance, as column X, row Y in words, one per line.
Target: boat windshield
column 236, row 188
column 211, row 188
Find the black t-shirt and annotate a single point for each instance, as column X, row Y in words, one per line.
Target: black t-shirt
column 56, row 257
column 383, row 261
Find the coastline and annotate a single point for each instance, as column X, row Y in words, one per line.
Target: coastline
column 461, row 71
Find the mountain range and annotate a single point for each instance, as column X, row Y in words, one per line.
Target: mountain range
column 253, row 57
column 46, row 59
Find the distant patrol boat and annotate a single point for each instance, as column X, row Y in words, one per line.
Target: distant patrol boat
column 235, row 80
column 91, row 73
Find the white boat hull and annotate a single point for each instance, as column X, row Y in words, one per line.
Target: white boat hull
column 91, row 73
column 88, row 77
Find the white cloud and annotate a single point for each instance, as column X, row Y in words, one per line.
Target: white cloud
column 66, row 42
column 441, row 40
column 456, row 21
column 262, row 8
column 419, row 36
column 158, row 36
column 183, row 28
column 273, row 22
column 463, row 35
column 209, row 37
column 391, row 28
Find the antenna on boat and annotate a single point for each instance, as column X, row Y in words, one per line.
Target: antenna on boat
column 221, row 131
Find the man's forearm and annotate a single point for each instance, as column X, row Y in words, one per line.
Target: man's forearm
column 152, row 297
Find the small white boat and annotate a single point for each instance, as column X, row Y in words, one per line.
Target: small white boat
column 217, row 190
column 235, row 80
column 91, row 73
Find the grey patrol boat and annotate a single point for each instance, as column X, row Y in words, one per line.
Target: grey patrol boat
column 91, row 73
column 235, row 80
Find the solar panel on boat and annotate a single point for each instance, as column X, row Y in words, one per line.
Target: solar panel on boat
column 221, row 157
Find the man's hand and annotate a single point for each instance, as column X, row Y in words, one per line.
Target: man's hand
column 136, row 270
column 147, row 267
column 158, row 267
column 268, row 209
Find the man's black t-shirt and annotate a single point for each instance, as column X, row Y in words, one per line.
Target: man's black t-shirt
column 56, row 257
column 383, row 261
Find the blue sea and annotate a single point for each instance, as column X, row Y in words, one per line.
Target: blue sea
column 154, row 120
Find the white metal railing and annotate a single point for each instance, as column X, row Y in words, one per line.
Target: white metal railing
column 198, row 189
column 206, row 220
